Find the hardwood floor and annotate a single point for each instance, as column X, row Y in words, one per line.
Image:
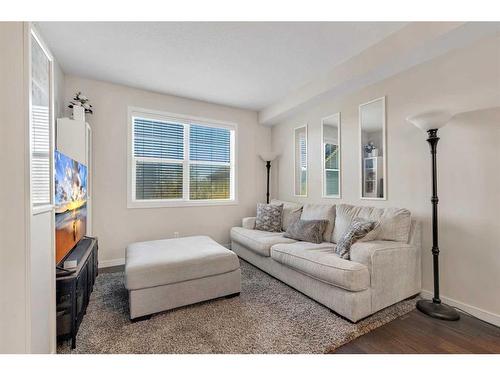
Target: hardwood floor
column 417, row 333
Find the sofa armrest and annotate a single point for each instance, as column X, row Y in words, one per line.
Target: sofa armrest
column 415, row 234
column 366, row 252
column 394, row 270
column 248, row 222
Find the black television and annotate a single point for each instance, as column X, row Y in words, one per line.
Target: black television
column 70, row 203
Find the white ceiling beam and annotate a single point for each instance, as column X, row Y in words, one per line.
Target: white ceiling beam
column 412, row 45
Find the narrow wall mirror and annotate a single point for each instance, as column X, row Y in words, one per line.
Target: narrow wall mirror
column 373, row 149
column 330, row 155
column 300, row 160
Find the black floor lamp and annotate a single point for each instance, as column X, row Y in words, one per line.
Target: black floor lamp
column 268, row 157
column 430, row 122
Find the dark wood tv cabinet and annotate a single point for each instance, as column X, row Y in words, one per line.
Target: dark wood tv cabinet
column 73, row 290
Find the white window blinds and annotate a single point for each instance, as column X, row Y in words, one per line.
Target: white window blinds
column 159, row 154
column 181, row 161
column 40, row 126
column 301, row 161
column 209, row 162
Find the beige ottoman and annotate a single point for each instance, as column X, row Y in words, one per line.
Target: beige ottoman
column 165, row 274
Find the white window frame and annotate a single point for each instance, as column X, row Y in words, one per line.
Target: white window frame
column 339, row 157
column 384, row 145
column 305, row 126
column 185, row 120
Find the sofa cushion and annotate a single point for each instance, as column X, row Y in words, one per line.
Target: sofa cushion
column 154, row 263
column 394, row 223
column 319, row 262
column 291, row 212
column 320, row 212
column 303, row 245
column 269, row 217
column 257, row 240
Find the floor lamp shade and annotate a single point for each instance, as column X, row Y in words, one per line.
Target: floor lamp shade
column 268, row 157
column 431, row 122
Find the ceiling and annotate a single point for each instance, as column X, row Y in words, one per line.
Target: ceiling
column 242, row 64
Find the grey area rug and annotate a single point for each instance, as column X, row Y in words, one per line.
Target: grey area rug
column 268, row 317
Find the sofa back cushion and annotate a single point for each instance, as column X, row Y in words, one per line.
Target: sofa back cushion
column 291, row 212
column 320, row 212
column 394, row 223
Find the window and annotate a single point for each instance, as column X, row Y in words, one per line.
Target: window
column 372, row 149
column 331, row 156
column 41, row 193
column 180, row 161
column 300, row 142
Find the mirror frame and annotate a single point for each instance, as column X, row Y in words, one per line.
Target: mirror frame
column 295, row 161
column 384, row 144
column 323, row 171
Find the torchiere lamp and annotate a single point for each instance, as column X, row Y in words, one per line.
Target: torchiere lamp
column 430, row 122
column 268, row 157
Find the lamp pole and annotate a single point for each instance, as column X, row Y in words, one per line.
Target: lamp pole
column 268, row 157
column 268, row 166
column 433, row 141
column 435, row 308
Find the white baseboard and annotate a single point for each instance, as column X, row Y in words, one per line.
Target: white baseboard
column 475, row 311
column 111, row 262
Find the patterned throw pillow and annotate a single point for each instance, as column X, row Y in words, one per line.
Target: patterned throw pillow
column 269, row 217
column 307, row 230
column 357, row 230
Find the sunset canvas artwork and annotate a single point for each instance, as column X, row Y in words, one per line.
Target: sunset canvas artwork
column 70, row 203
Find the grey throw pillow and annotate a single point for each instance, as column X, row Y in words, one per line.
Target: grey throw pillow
column 307, row 230
column 269, row 217
column 357, row 230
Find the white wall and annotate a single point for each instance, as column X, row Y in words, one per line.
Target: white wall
column 14, row 297
column 469, row 157
column 60, row 102
column 42, row 290
column 114, row 224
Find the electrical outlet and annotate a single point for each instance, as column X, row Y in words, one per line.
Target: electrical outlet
column 176, row 234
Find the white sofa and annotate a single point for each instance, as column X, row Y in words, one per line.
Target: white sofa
column 380, row 272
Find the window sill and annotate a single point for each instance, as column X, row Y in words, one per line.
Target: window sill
column 373, row 199
column 332, row 196
column 163, row 204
